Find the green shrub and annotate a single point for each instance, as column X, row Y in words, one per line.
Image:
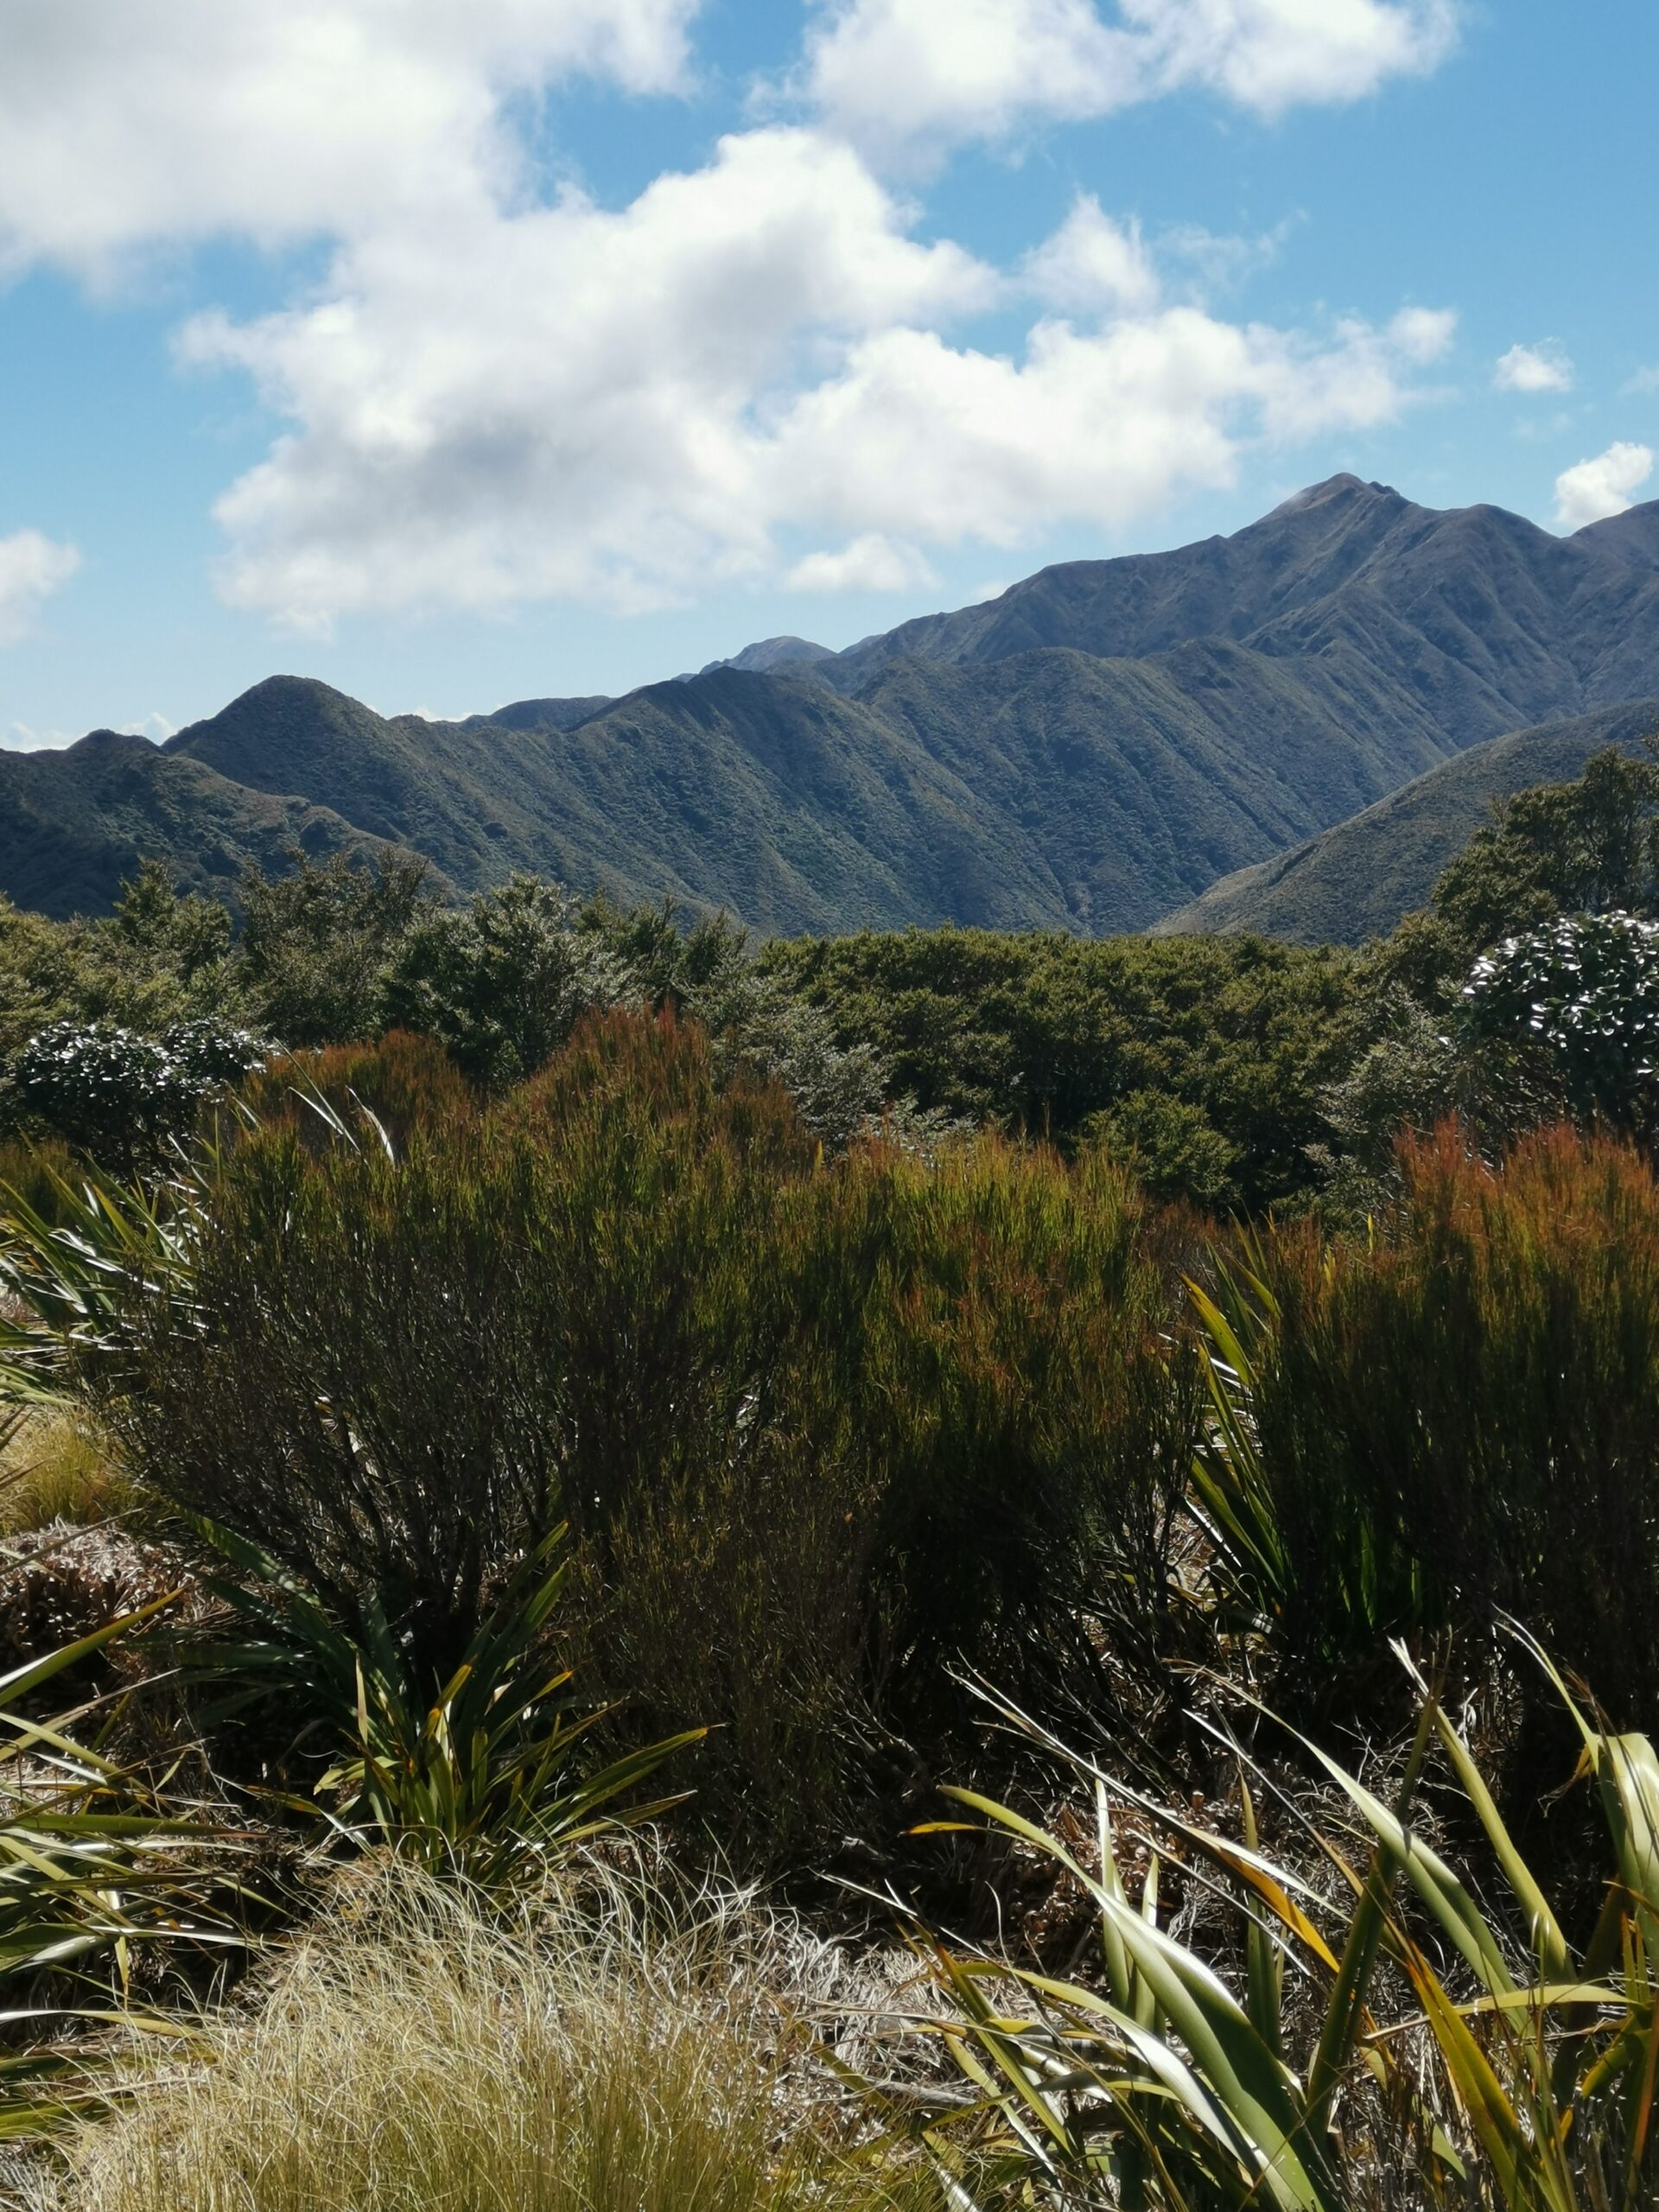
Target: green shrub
column 363, row 1392
column 1039, row 1031
column 118, row 1097
column 822, row 1428
column 503, row 981
column 480, row 1776
column 1439, row 2046
column 1568, row 1016
column 318, row 943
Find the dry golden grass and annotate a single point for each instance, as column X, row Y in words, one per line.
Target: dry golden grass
column 412, row 2053
column 55, row 1465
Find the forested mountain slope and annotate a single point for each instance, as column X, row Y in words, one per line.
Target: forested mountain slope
column 1090, row 751
column 1359, row 878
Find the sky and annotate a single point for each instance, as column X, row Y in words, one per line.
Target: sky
column 458, row 353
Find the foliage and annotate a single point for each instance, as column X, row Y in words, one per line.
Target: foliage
column 318, row 943
column 1570, row 1013
column 73, row 1255
column 1587, row 847
column 55, row 1466
column 183, row 933
column 117, row 1096
column 471, row 1776
column 1040, row 1033
column 599, row 2051
column 1451, row 1415
column 1172, row 1146
column 406, row 1083
column 1519, row 2074
column 94, row 1861
column 502, row 982
column 818, row 1424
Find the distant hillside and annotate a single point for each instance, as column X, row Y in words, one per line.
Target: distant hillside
column 1088, row 751
column 74, row 824
column 1473, row 619
column 1358, row 880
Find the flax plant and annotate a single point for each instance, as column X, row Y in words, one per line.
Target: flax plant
column 480, row 1774
column 1461, row 2056
column 95, row 1860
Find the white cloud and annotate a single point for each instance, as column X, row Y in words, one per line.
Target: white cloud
column 20, row 737
column 1593, row 490
column 1643, row 382
column 31, row 568
column 1093, row 265
column 156, row 728
column 1533, row 369
column 567, row 402
column 872, row 562
column 625, row 407
column 492, row 399
column 954, row 445
column 161, row 120
column 1423, row 335
column 893, row 71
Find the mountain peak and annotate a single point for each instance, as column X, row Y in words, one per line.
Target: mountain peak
column 769, row 653
column 1341, row 486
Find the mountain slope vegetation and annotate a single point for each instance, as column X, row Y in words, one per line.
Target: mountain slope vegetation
column 75, row 825
column 1088, row 751
column 1357, row 880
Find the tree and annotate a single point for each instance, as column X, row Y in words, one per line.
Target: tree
column 184, row 932
column 503, row 982
column 318, row 944
column 1589, row 846
column 1568, row 1014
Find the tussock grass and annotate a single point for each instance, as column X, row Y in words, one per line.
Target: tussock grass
column 413, row 2053
column 55, row 1465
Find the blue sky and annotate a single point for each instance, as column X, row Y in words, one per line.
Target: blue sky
column 461, row 355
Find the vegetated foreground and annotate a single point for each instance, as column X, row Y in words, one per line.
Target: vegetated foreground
column 480, row 1495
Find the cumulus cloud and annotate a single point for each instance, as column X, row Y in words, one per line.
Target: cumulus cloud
column 872, row 562
column 569, row 401
column 32, row 568
column 1591, row 490
column 490, row 397
column 1093, row 265
column 891, row 73
column 623, row 406
column 1533, row 369
column 165, row 120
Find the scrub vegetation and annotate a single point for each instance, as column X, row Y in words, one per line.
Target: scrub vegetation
column 943, row 1570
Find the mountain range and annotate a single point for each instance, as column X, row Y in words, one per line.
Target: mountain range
column 1104, row 747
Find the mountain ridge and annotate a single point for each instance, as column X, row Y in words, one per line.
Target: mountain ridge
column 1092, row 751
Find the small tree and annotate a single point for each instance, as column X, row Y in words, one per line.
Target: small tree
column 1570, row 1015
column 1588, row 847
column 317, row 944
column 503, row 982
column 117, row 1096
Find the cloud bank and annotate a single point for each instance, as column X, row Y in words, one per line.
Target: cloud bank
column 623, row 406
column 892, row 74
column 494, row 394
